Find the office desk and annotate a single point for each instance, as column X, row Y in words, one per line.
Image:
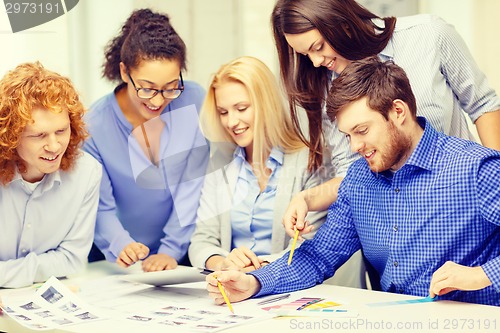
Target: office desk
column 438, row 316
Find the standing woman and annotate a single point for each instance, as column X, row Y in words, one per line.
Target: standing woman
column 317, row 39
column 145, row 134
column 260, row 163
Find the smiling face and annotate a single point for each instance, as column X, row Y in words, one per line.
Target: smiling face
column 156, row 74
column 312, row 44
column 381, row 142
column 43, row 143
column 236, row 113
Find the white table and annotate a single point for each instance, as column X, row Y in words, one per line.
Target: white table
column 439, row 316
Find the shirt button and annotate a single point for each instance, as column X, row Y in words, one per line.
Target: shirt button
column 401, row 291
column 395, row 264
column 28, row 226
column 23, row 250
column 396, row 190
column 395, row 228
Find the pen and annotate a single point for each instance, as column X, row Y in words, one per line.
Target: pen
column 224, row 295
column 205, row 271
column 274, row 299
column 293, row 246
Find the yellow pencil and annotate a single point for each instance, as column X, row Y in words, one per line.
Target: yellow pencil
column 293, row 246
column 221, row 288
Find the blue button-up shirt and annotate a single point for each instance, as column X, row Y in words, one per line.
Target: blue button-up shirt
column 443, row 204
column 252, row 211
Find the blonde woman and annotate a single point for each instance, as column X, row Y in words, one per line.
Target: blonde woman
column 258, row 163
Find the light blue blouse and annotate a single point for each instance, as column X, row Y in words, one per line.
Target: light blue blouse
column 252, row 211
column 141, row 202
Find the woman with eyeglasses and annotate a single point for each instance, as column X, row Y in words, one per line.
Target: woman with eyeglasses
column 145, row 134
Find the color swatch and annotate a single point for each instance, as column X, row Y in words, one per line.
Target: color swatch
column 322, row 306
column 310, row 306
column 406, row 301
column 295, row 305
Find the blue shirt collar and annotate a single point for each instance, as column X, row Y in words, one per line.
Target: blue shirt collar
column 239, row 153
column 423, row 155
column 276, row 156
column 388, row 52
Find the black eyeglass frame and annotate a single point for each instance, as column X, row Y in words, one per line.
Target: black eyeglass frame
column 157, row 91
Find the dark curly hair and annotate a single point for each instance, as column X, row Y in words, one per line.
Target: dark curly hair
column 26, row 87
column 144, row 36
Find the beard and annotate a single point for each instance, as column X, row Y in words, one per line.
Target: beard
column 393, row 152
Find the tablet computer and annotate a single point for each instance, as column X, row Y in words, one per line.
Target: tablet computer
column 181, row 274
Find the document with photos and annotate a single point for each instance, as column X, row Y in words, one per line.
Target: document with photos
column 196, row 318
column 184, row 307
column 51, row 306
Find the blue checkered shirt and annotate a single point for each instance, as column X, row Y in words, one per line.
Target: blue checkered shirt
column 443, row 204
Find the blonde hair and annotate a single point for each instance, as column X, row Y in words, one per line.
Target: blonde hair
column 26, row 87
column 272, row 123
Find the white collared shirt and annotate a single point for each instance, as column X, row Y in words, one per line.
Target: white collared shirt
column 48, row 230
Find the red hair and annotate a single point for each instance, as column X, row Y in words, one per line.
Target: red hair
column 26, row 87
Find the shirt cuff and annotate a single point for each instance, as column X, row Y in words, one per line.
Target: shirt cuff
column 117, row 245
column 492, row 270
column 266, row 280
column 174, row 253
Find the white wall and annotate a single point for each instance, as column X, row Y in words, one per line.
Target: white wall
column 214, row 31
column 71, row 45
column 475, row 20
column 477, row 23
column 47, row 43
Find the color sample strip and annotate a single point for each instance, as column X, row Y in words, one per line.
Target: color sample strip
column 407, row 301
column 303, row 306
column 326, row 310
column 310, row 307
column 322, row 305
column 293, row 305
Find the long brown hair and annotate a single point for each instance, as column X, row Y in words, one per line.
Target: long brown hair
column 348, row 28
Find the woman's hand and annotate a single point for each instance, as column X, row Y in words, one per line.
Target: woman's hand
column 158, row 262
column 132, row 253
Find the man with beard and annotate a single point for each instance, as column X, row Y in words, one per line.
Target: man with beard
column 423, row 206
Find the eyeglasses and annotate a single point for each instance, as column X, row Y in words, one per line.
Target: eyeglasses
column 148, row 93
